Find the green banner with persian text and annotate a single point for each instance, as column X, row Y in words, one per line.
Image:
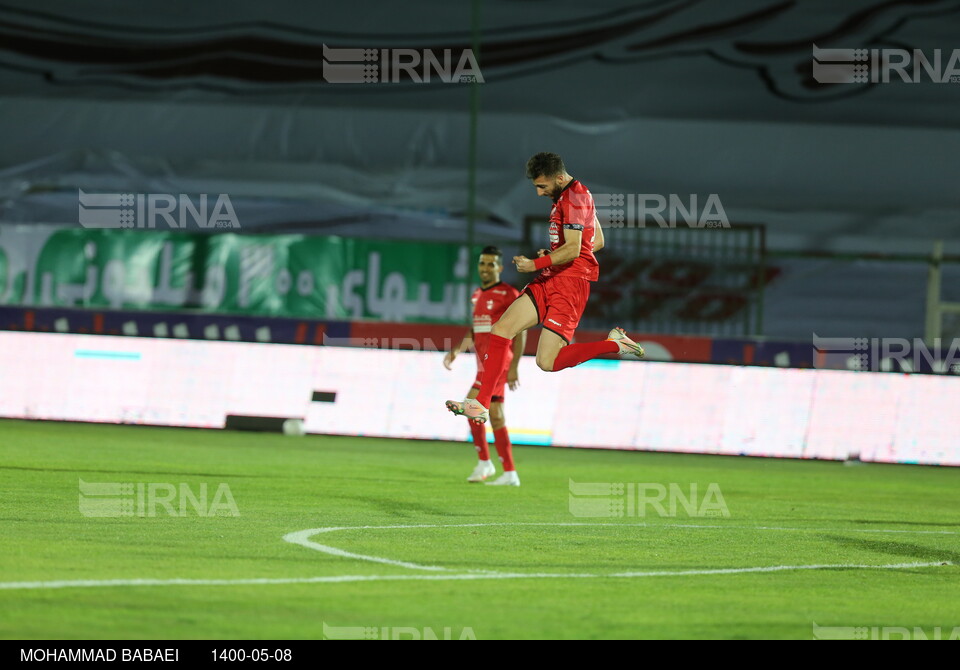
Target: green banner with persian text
column 277, row 275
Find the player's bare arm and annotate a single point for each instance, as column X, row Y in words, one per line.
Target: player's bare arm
column 513, row 374
column 465, row 344
column 565, row 253
column 598, row 235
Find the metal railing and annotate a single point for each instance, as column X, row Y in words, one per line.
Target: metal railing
column 937, row 309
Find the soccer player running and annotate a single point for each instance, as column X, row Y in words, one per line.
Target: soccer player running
column 489, row 302
column 558, row 296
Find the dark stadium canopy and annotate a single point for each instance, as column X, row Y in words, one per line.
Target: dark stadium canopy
column 665, row 96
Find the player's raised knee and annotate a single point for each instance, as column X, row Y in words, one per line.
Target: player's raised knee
column 545, row 363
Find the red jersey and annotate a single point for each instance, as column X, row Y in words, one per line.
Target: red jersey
column 489, row 304
column 574, row 210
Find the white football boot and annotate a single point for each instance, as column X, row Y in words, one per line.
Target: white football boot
column 483, row 470
column 627, row 346
column 506, row 479
column 469, row 408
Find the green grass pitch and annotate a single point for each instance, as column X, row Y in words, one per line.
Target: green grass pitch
column 508, row 562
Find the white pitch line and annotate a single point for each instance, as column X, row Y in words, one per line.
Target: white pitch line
column 817, row 530
column 715, row 526
column 91, row 583
column 302, row 537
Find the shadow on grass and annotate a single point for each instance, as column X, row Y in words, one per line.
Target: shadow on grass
column 955, row 524
column 905, row 549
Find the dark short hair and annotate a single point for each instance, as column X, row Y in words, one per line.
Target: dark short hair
column 545, row 164
column 493, row 251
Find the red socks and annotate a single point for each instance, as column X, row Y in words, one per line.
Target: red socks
column 493, row 366
column 575, row 354
column 479, row 433
column 569, row 356
column 502, row 440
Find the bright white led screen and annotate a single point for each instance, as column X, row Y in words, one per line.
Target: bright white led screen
column 680, row 407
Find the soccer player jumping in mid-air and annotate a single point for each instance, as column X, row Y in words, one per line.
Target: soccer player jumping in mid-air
column 490, row 301
column 558, row 296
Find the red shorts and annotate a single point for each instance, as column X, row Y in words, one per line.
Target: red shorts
column 560, row 302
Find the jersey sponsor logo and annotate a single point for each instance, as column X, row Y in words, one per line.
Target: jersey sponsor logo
column 489, row 304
